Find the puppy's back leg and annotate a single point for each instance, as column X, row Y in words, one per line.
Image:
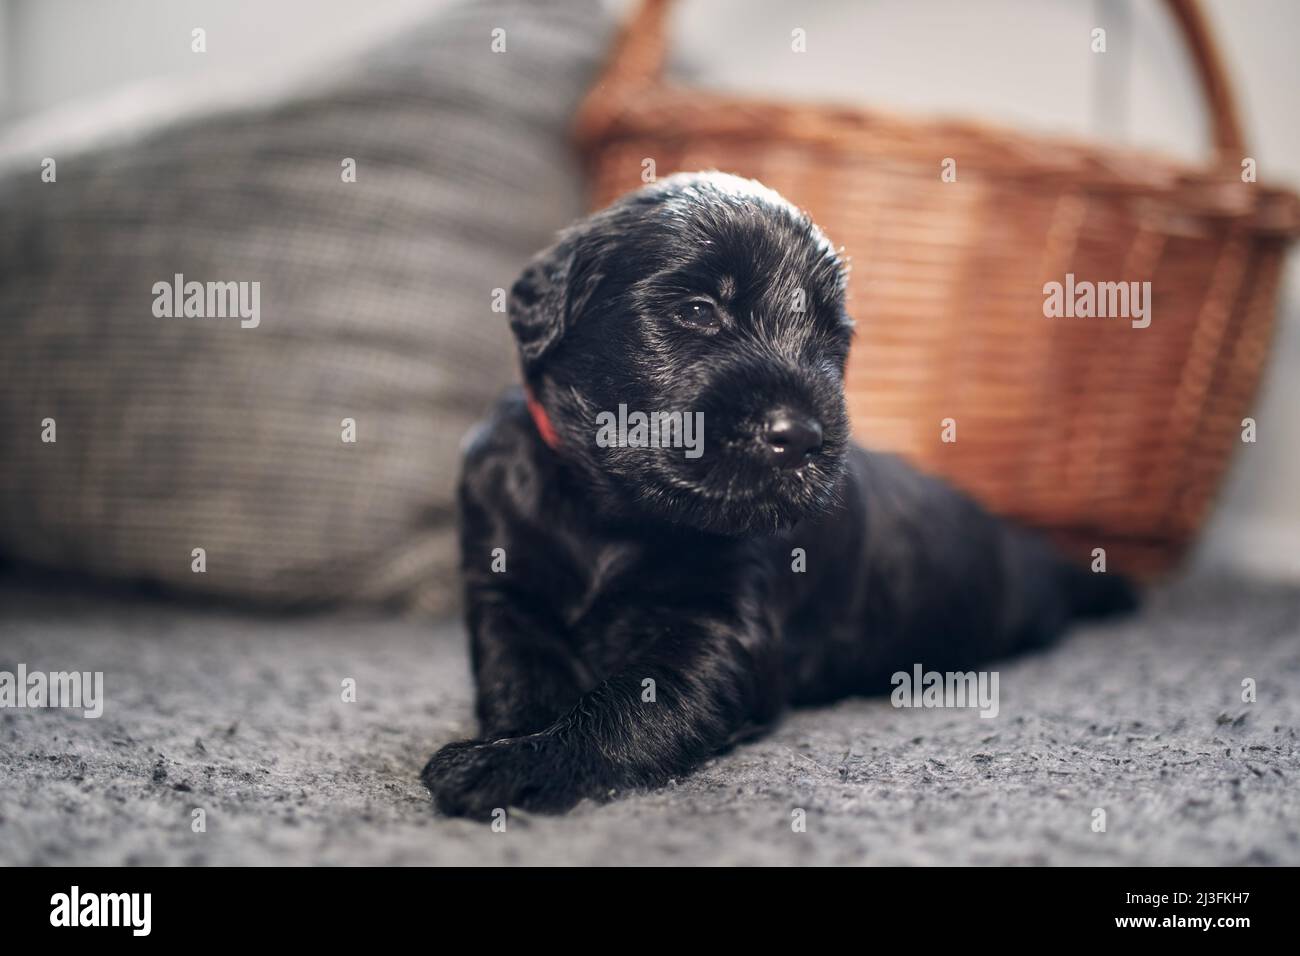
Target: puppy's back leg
column 1049, row 592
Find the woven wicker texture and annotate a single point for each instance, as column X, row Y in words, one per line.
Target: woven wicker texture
column 1103, row 434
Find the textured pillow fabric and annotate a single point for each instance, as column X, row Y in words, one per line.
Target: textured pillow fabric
column 374, row 303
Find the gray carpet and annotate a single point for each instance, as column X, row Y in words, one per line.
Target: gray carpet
column 242, row 716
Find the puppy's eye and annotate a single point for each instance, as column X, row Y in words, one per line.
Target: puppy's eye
column 699, row 314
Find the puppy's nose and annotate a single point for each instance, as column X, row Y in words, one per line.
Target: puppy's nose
column 791, row 438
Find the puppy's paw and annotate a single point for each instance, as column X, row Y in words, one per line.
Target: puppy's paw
column 473, row 777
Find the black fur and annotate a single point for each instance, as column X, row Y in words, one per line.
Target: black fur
column 631, row 564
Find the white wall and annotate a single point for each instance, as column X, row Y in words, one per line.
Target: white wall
column 61, row 49
column 1024, row 62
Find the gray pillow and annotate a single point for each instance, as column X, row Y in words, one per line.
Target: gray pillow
column 374, row 303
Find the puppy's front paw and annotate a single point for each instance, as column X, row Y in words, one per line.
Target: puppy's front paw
column 472, row 778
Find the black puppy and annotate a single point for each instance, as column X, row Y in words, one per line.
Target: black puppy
column 633, row 610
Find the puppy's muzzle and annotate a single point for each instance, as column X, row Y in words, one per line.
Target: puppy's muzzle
column 790, row 438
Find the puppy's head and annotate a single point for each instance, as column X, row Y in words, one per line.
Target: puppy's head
column 703, row 296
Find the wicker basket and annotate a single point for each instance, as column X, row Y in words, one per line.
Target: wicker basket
column 1101, row 433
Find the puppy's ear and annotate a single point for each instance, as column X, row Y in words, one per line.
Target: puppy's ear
column 549, row 296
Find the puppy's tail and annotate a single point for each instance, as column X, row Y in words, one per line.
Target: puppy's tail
column 1098, row 594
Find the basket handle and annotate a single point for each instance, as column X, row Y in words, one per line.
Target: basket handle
column 637, row 62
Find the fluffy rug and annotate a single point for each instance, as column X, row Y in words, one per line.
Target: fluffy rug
column 243, row 717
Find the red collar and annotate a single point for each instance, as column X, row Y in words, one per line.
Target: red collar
column 541, row 420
